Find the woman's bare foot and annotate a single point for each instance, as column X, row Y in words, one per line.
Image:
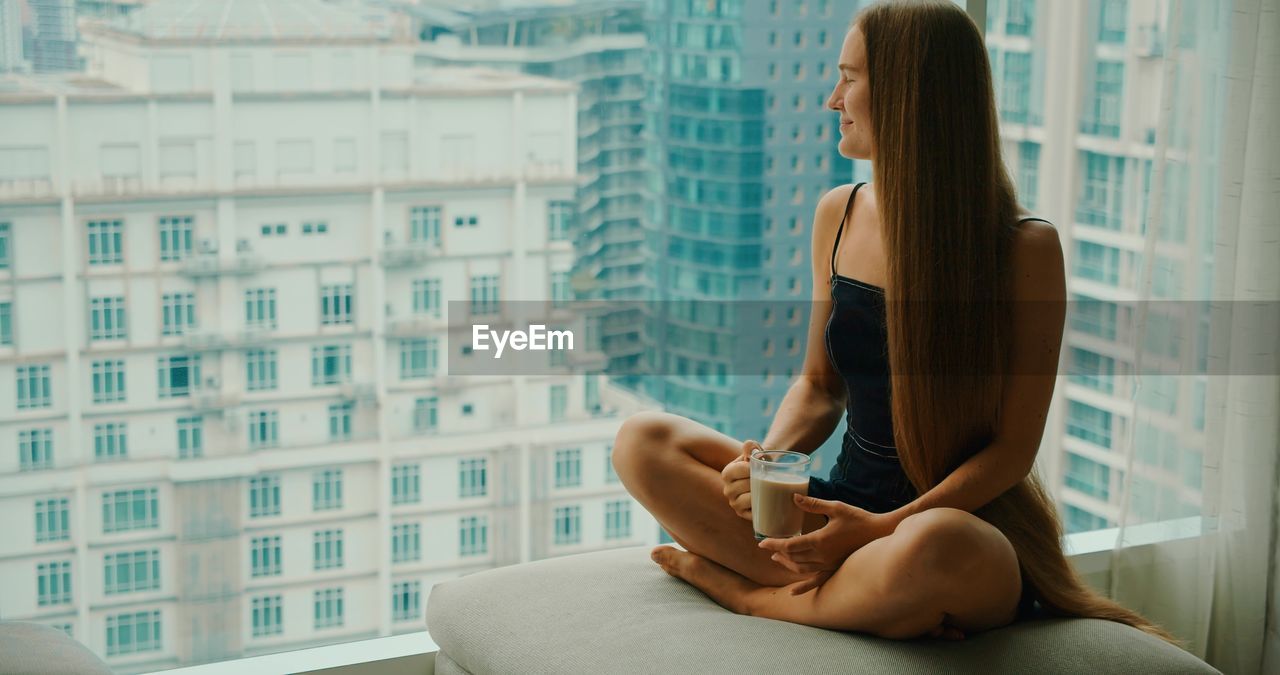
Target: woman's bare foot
column 677, row 563
column 728, row 588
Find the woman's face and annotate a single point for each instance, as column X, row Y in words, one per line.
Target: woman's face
column 851, row 98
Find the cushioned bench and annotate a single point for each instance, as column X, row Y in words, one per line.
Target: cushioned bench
column 35, row 649
column 618, row 612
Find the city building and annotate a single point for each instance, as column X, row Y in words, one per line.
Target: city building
column 53, row 36
column 11, row 56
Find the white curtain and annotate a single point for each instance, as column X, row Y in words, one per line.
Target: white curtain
column 1216, row 172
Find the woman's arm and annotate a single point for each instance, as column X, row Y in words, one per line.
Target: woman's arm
column 811, row 409
column 1039, row 312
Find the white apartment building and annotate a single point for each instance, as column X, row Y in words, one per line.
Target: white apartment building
column 226, row 254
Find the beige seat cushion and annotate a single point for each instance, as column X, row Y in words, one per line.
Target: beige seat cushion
column 35, row 649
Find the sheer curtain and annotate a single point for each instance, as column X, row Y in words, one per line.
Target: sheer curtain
column 1205, row 341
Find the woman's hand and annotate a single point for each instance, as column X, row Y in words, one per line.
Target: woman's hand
column 737, row 481
column 821, row 552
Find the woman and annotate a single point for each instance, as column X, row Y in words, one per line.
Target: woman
column 933, row 523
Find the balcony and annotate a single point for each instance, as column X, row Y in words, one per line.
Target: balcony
column 412, row 253
column 210, row 264
column 411, row 326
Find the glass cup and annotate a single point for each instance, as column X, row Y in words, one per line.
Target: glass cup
column 775, row 476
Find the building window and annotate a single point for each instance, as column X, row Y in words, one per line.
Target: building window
column 131, row 571
column 1092, row 316
column 1089, row 423
column 561, row 292
column 35, row 449
column 330, row 364
column 568, row 468
column 617, row 519
column 473, row 477
column 178, row 313
column 190, row 437
column 105, row 242
column 315, row 227
column 559, row 401
column 466, row 221
column 1015, row 89
column 53, row 583
column 326, row 490
column 264, row 496
column 1029, row 174
column 108, row 381
column 327, row 549
column 260, row 308
column 610, row 475
column 107, row 319
column 328, row 604
column 426, row 414
column 6, row 245
column 568, row 525
column 406, row 600
column 6, row 324
column 473, row 536
column 264, row 429
column 133, row 632
column 53, row 520
column 268, row 615
column 406, row 542
column 418, row 358
column 1102, row 117
column 484, row 294
column 426, row 297
column 1097, row 262
column 406, row 484
column 110, row 441
column 125, row 510
column 340, row 420
column 1091, row 370
column 33, row 387
column 177, row 375
column 264, row 555
column 335, row 304
column 1102, row 200
column 1087, row 476
column 261, row 369
column 1113, row 19
column 175, row 238
column 559, row 220
column 1021, row 15
column 424, row 225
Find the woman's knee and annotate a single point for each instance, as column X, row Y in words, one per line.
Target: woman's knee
column 641, row 437
column 945, row 543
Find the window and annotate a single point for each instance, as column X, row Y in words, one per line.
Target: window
column 340, row 420
column 335, row 304
column 6, row 245
column 190, row 437
column 424, row 225
column 1102, row 117
column 1029, row 174
column 260, row 308
column 484, row 294
column 176, row 374
column 110, row 441
column 473, row 536
column 406, row 542
column 315, row 227
column 35, row 449
column 125, row 510
column 1113, row 20
column 466, row 221
column 1095, row 317
column 330, row 364
column 426, row 297
column 327, row 549
column 1015, row 94
column 175, row 238
column 1091, row 370
column 559, row 401
column 417, row 358
column 426, row 414
column 131, row 571
column 326, row 490
column 406, row 484
column 108, row 381
column 1089, row 423
column 1097, row 262
column 559, row 220
column 106, row 319
column 472, row 477
column 52, row 520
column 261, row 369
column 264, row 429
column 617, row 519
column 33, row 387
column 105, row 243
column 328, row 604
column 133, row 632
column 264, row 553
column 568, row 525
column 1021, row 15
column 610, row 475
column 1101, row 203
column 6, row 323
column 53, row 583
column 568, row 468
column 406, row 600
column 1079, row 520
column 1087, row 476
column 561, row 293
column 178, row 313
column 264, row 496
column 268, row 615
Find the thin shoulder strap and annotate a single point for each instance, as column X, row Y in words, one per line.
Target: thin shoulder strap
column 840, row 230
column 1023, row 220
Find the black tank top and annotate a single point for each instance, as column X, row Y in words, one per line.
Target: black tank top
column 867, row 472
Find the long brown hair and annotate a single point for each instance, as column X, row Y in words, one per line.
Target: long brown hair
column 948, row 212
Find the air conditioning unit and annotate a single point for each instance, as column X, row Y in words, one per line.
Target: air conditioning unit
column 391, row 310
column 211, row 382
column 208, row 245
column 243, row 246
column 388, row 238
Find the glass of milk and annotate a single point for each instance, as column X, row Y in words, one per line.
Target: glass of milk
column 775, row 476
